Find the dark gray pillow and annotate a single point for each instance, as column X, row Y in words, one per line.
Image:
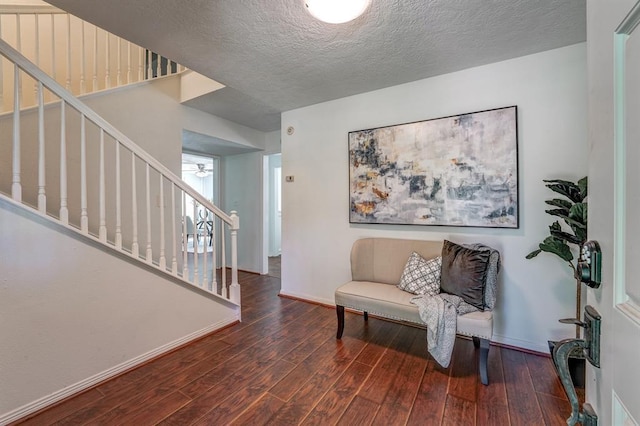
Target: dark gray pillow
column 464, row 272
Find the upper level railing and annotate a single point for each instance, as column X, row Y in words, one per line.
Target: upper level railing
column 80, row 56
column 69, row 164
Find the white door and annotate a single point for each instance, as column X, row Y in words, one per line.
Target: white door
column 614, row 204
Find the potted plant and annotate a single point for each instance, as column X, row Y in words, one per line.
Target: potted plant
column 572, row 209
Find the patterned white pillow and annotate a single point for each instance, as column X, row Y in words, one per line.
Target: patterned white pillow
column 421, row 276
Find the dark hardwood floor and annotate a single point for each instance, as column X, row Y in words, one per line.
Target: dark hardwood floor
column 283, row 366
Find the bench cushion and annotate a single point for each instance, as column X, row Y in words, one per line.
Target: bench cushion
column 390, row 302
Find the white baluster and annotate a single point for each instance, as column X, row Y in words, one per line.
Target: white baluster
column 16, row 187
column 107, row 78
column 129, row 60
column 84, row 217
column 42, row 198
column 37, row 50
column 205, row 254
column 196, row 245
column 149, row 254
column 68, row 52
column 140, row 63
column 102, row 230
column 18, row 82
column 234, row 290
column 223, row 264
column 119, row 62
column 83, row 58
column 162, row 261
column 135, row 249
column 174, row 260
column 53, row 47
column 95, row 58
column 213, row 243
column 64, row 208
column 118, row 239
column 185, row 268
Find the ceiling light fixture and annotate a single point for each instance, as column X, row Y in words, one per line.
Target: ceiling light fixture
column 336, row 11
column 201, row 172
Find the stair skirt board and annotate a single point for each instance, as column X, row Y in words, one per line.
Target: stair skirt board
column 92, row 381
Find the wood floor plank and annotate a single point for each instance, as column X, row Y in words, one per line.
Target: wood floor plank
column 283, row 365
column 304, row 400
column 386, row 370
column 279, row 340
column 459, row 411
column 396, row 407
column 260, row 412
column 64, row 409
column 523, row 403
column 464, row 370
column 246, row 392
column 152, row 414
column 428, row 406
column 290, row 384
column 337, row 399
column 383, row 333
column 556, row 411
column 492, row 405
column 544, row 376
column 360, row 412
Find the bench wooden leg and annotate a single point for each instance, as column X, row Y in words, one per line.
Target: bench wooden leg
column 484, row 355
column 366, row 316
column 476, row 342
column 340, row 313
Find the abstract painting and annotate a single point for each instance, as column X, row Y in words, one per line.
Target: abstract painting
column 456, row 171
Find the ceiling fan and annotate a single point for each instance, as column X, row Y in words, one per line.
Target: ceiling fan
column 200, row 169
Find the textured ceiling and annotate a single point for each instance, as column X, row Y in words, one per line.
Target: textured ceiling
column 273, row 56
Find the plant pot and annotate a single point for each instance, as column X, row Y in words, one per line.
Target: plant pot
column 577, row 365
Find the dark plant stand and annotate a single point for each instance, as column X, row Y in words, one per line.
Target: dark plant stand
column 577, row 366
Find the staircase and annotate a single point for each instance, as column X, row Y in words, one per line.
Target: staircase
column 63, row 164
column 80, row 56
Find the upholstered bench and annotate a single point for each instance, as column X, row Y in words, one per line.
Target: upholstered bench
column 376, row 267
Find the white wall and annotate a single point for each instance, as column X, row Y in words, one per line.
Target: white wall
column 550, row 91
column 243, row 193
column 71, row 312
column 274, row 215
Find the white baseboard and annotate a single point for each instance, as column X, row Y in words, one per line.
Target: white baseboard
column 522, row 344
column 87, row 383
column 308, row 297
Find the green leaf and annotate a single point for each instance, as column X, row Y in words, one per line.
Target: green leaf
column 557, row 247
column 570, row 238
column 578, row 212
column 563, row 204
column 581, row 233
column 534, row 254
column 566, row 188
column 583, row 184
column 571, row 222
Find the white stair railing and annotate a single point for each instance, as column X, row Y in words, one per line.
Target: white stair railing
column 107, row 188
column 80, row 56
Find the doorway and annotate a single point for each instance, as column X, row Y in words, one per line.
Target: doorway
column 202, row 173
column 273, row 214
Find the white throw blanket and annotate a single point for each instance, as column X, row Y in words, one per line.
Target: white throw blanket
column 440, row 313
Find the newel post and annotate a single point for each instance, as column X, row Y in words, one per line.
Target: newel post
column 234, row 290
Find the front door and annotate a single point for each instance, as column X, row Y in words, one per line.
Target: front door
column 613, row 41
